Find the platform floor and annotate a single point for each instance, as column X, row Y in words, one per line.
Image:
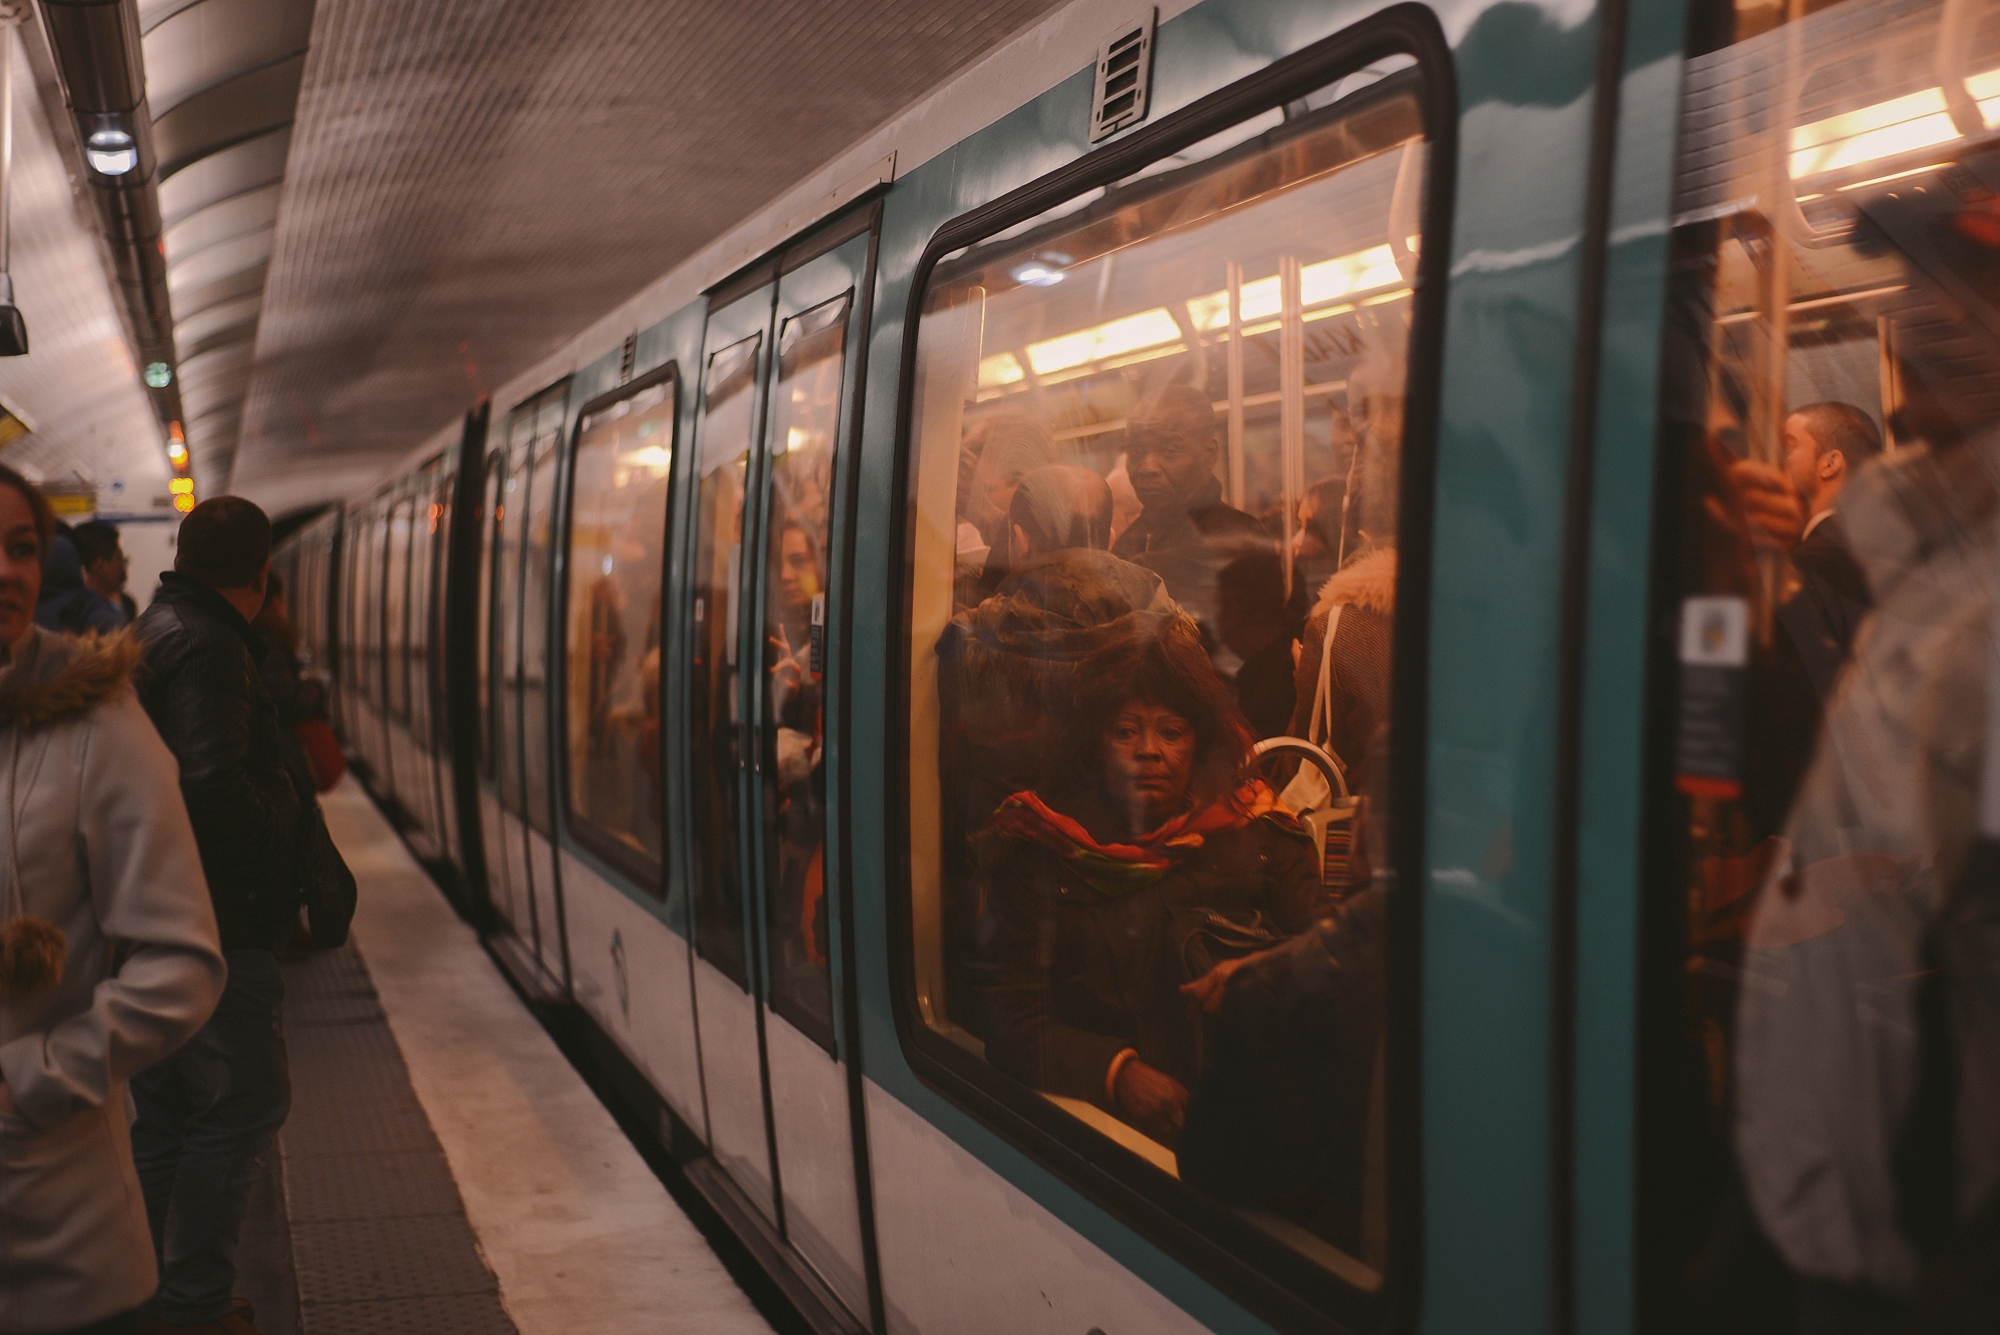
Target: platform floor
column 444, row 1168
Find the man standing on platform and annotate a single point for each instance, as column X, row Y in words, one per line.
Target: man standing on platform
column 208, row 1113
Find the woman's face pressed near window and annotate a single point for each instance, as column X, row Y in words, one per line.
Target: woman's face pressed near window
column 1148, row 763
column 20, row 564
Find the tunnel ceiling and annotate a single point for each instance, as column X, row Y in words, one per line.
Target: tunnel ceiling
column 472, row 182
column 222, row 82
column 77, row 387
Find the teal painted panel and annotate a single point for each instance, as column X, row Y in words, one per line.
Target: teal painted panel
column 599, row 377
column 1525, row 83
column 1610, row 814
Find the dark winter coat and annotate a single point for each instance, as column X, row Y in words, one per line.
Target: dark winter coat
column 1080, row 976
column 200, row 683
column 1189, row 548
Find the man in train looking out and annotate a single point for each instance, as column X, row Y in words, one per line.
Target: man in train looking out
column 1185, row 532
column 207, row 1113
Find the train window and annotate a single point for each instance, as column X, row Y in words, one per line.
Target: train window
column 805, row 415
column 396, row 611
column 1819, row 1100
column 537, row 602
column 728, row 421
column 435, row 679
column 487, row 657
column 507, row 607
column 1158, row 436
column 374, row 561
column 423, row 553
column 617, row 557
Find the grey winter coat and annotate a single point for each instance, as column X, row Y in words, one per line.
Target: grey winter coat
column 93, row 834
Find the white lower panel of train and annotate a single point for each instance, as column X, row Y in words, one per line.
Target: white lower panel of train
column 629, row 970
column 965, row 1252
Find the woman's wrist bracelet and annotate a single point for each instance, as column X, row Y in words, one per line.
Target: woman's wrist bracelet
column 1111, row 1074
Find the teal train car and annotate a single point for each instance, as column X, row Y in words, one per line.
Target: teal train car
column 1275, row 665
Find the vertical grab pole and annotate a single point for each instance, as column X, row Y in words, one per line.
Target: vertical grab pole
column 1234, row 272
column 1892, row 388
column 1291, row 400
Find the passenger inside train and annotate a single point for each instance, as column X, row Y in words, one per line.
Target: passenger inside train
column 1111, row 850
column 1821, row 1128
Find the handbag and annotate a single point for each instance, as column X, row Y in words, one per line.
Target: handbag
column 1318, row 794
column 323, row 753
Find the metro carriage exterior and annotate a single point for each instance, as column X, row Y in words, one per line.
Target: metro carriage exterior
column 542, row 630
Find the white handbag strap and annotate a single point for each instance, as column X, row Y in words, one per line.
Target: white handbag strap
column 1323, row 697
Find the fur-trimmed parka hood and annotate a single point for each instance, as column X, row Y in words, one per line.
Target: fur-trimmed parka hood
column 1368, row 581
column 55, row 677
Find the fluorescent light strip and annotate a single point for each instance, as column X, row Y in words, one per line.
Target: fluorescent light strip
column 1900, row 125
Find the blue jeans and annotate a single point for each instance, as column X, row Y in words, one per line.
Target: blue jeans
column 206, row 1116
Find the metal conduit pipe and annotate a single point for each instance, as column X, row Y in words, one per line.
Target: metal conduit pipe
column 98, row 61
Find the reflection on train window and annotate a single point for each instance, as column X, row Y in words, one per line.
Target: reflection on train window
column 805, row 414
column 1823, row 1071
column 729, row 418
column 536, row 603
column 617, row 545
column 1159, row 444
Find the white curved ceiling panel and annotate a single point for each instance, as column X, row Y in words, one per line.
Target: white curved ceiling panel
column 233, row 217
column 214, row 41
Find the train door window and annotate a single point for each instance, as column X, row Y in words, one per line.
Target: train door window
column 537, row 601
column 350, row 602
column 437, row 680
column 1158, row 438
column 805, row 412
column 507, row 607
column 729, row 421
column 487, row 657
column 617, row 558
column 423, row 537
column 1820, row 1079
column 375, row 557
column 396, row 611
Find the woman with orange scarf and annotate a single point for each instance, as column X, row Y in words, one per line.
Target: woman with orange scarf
column 1091, row 885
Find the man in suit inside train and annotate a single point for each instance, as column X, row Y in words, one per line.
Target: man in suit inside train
column 1825, row 445
column 1186, row 533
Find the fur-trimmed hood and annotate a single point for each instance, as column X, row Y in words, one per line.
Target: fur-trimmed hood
column 1369, row 581
column 54, row 677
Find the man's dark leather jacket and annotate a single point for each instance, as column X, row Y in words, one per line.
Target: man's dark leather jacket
column 199, row 681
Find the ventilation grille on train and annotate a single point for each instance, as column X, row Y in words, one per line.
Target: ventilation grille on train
column 626, row 356
column 1124, row 77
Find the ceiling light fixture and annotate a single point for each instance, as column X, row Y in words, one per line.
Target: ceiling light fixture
column 111, row 152
column 159, row 375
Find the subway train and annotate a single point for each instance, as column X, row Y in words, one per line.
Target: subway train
column 1276, row 665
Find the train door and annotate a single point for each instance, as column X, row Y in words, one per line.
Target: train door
column 537, row 600
column 778, row 396
column 436, row 739
column 519, row 906
column 487, row 670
